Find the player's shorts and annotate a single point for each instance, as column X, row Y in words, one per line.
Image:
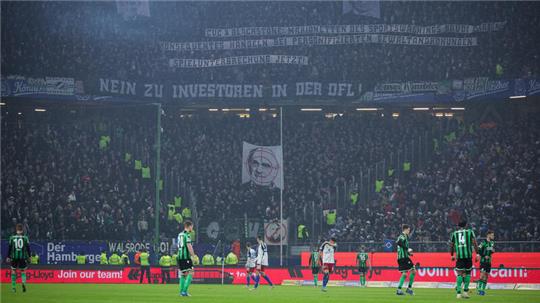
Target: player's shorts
column 329, row 266
column 464, row 264
column 405, row 264
column 250, row 269
column 485, row 267
column 362, row 270
column 315, row 270
column 185, row 265
column 261, row 268
column 19, row 264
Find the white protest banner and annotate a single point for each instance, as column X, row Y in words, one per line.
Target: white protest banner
column 262, row 165
column 238, row 60
column 354, row 29
column 318, row 40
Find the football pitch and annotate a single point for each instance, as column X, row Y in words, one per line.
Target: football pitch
column 118, row 293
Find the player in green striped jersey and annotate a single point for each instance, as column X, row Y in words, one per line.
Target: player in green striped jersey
column 185, row 253
column 486, row 249
column 315, row 264
column 462, row 243
column 19, row 256
column 362, row 261
column 404, row 261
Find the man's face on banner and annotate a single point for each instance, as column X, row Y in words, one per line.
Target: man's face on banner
column 263, row 166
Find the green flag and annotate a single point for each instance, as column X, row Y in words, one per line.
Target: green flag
column 177, row 201
column 354, row 198
column 390, row 172
column 138, row 164
column 146, row 172
column 406, row 166
column 127, row 157
column 499, row 70
column 102, row 144
column 450, row 137
column 171, row 212
column 178, row 218
column 186, row 212
column 379, row 185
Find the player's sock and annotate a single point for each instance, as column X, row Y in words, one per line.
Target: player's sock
column 363, row 280
column 411, row 279
column 268, row 280
column 466, row 280
column 402, row 280
column 248, row 278
column 459, row 280
column 13, row 280
column 23, row 278
column 257, row 278
column 325, row 280
column 315, row 279
column 484, row 284
column 182, row 283
column 480, row 285
column 188, row 282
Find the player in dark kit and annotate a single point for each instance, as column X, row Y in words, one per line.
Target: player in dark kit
column 315, row 264
column 19, row 256
column 362, row 261
column 462, row 243
column 185, row 264
column 485, row 250
column 405, row 263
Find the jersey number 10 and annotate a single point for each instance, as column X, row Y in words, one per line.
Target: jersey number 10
column 19, row 243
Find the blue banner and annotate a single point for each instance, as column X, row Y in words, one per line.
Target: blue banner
column 57, row 252
column 388, row 245
column 105, row 89
column 65, row 252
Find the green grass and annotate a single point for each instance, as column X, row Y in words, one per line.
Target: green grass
column 117, row 293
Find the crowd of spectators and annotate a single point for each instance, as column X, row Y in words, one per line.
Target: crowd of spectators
column 91, row 40
column 59, row 183
column 487, row 176
column 63, row 185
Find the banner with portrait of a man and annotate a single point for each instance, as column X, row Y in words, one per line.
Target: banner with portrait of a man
column 262, row 165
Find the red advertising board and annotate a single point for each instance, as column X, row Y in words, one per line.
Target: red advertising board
column 433, row 267
column 527, row 260
column 238, row 275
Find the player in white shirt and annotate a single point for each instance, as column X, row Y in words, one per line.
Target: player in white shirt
column 327, row 251
column 262, row 263
column 251, row 259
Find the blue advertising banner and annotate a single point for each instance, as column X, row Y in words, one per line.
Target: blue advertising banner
column 108, row 89
column 58, row 252
column 65, row 252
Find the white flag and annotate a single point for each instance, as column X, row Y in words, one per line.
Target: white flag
column 262, row 165
column 363, row 8
column 132, row 9
column 273, row 231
